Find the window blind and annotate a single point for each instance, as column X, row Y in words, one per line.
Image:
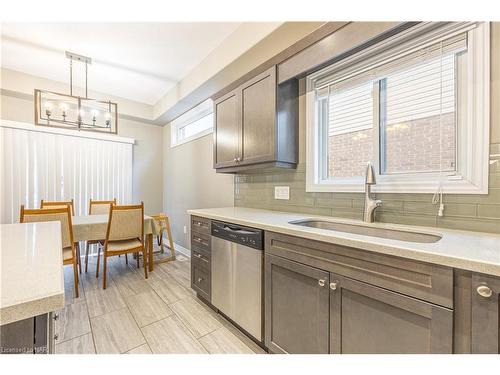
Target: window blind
column 37, row 165
column 351, row 110
column 419, row 82
column 424, row 90
column 373, row 68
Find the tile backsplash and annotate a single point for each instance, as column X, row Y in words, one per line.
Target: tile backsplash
column 462, row 211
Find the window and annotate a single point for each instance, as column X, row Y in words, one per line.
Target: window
column 416, row 106
column 193, row 124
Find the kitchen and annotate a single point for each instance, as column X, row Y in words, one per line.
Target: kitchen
column 280, row 187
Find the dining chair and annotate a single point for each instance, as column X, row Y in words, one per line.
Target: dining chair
column 58, row 204
column 63, row 204
column 98, row 208
column 125, row 234
column 62, row 215
column 164, row 225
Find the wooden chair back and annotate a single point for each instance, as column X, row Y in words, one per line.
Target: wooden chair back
column 58, row 204
column 62, row 215
column 125, row 222
column 100, row 207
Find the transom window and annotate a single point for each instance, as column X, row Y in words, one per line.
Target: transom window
column 193, row 124
column 415, row 106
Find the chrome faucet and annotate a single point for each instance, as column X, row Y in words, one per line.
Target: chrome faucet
column 370, row 203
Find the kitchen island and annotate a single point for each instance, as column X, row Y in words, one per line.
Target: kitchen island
column 31, row 286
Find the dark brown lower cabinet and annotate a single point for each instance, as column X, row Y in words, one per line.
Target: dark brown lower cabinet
column 309, row 310
column 296, row 307
column 34, row 335
column 368, row 319
column 485, row 326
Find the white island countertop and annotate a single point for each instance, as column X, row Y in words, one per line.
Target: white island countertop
column 473, row 251
column 31, row 278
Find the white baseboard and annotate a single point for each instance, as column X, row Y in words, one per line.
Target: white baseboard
column 182, row 250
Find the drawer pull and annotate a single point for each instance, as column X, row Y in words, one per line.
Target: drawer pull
column 200, row 241
column 321, row 282
column 484, row 291
column 333, row 285
column 200, row 279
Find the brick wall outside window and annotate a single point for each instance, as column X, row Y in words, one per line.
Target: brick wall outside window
column 411, row 146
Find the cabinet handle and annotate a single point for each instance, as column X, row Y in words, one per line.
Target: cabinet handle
column 333, row 285
column 200, row 279
column 56, row 316
column 238, row 159
column 197, row 256
column 200, row 241
column 235, row 159
column 56, row 337
column 321, row 282
column 484, row 291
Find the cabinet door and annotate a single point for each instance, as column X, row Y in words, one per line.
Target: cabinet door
column 485, row 314
column 227, row 133
column 296, row 307
column 258, row 98
column 368, row 319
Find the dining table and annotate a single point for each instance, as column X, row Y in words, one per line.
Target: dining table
column 94, row 227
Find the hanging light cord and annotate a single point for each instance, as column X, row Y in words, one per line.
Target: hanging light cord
column 437, row 198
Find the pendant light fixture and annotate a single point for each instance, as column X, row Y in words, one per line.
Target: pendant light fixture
column 75, row 112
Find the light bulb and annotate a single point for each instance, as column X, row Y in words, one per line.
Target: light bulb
column 107, row 117
column 48, row 109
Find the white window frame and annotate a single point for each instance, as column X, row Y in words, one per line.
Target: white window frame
column 200, row 111
column 471, row 176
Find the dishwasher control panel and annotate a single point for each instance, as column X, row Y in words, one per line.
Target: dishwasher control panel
column 250, row 237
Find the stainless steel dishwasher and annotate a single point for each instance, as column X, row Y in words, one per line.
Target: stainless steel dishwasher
column 237, row 264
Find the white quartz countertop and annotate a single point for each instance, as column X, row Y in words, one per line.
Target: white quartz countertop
column 474, row 251
column 31, row 265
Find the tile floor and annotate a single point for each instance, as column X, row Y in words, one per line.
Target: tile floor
column 137, row 316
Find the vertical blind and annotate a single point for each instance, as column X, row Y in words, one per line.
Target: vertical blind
column 37, row 165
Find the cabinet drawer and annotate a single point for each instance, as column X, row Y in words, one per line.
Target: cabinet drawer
column 200, row 256
column 200, row 240
column 200, row 225
column 200, row 279
column 424, row 281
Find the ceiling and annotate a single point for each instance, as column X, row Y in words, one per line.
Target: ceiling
column 136, row 61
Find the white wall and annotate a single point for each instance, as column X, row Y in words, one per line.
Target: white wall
column 147, row 180
column 191, row 182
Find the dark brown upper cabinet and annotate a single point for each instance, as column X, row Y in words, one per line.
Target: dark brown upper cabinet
column 256, row 125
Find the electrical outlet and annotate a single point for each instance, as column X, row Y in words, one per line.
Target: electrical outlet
column 282, row 192
column 185, row 229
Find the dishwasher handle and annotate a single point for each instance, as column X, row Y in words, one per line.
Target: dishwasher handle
column 239, row 230
column 251, row 237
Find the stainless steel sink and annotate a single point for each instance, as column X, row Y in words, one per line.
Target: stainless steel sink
column 392, row 234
